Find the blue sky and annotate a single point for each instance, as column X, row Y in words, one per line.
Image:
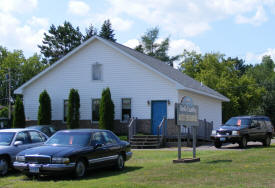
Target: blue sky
column 243, row 28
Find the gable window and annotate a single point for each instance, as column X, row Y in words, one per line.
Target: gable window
column 126, row 109
column 65, row 110
column 97, row 71
column 95, row 110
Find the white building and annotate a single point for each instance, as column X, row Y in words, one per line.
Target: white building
column 141, row 86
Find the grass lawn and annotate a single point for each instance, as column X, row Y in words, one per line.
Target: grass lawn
column 253, row 167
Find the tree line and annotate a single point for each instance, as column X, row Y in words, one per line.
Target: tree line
column 250, row 88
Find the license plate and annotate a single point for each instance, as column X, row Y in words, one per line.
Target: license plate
column 34, row 169
column 222, row 139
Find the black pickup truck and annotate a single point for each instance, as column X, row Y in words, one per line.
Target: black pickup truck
column 242, row 129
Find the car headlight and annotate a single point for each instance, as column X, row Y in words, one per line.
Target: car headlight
column 235, row 133
column 214, row 132
column 60, row 160
column 20, row 158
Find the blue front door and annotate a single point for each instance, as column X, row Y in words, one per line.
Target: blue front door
column 159, row 110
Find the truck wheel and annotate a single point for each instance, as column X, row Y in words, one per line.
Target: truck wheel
column 218, row 144
column 243, row 142
column 4, row 166
column 120, row 163
column 267, row 141
column 80, row 169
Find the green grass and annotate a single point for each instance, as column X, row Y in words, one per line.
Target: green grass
column 253, row 167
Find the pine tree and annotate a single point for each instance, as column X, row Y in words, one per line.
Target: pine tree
column 106, row 31
column 73, row 109
column 106, row 110
column 44, row 111
column 60, row 41
column 90, row 32
column 19, row 114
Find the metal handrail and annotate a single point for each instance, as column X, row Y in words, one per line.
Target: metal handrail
column 131, row 128
column 161, row 127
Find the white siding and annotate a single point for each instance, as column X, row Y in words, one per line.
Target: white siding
column 209, row 108
column 126, row 79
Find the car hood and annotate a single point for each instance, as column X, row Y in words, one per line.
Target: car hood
column 54, row 151
column 229, row 128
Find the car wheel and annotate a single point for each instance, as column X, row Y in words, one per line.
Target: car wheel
column 120, row 163
column 4, row 166
column 243, row 143
column 218, row 144
column 267, row 141
column 32, row 176
column 80, row 169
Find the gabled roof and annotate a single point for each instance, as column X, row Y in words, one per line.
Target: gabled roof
column 183, row 81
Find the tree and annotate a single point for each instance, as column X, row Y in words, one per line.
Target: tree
column 45, row 109
column 60, row 41
column 4, row 112
column 106, row 110
column 90, row 32
column 106, row 31
column 73, row 109
column 221, row 74
column 149, row 46
column 19, row 114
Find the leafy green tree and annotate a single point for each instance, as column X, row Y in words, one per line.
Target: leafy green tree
column 90, row 32
column 4, row 112
column 60, row 41
column 19, row 120
column 149, row 46
column 221, row 74
column 73, row 109
column 106, row 31
column 106, row 110
column 45, row 109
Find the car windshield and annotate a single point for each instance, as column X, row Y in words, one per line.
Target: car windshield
column 70, row 138
column 238, row 122
column 6, row 138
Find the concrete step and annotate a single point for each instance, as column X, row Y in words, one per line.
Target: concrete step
column 145, row 139
column 143, row 143
column 145, row 136
column 145, row 146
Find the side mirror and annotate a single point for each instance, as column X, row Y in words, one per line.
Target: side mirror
column 17, row 143
column 98, row 145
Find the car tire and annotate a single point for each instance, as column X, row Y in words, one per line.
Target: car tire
column 218, row 144
column 120, row 163
column 267, row 141
column 243, row 142
column 5, row 166
column 32, row 176
column 80, row 169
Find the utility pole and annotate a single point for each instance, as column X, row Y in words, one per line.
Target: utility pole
column 9, row 99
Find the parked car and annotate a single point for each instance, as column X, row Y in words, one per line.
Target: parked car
column 74, row 151
column 12, row 141
column 242, row 129
column 49, row 130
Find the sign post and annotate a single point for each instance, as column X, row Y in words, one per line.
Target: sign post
column 186, row 114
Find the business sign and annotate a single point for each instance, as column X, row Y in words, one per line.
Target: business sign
column 186, row 112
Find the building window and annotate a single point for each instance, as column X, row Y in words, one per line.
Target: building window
column 65, row 107
column 126, row 110
column 95, row 110
column 97, row 71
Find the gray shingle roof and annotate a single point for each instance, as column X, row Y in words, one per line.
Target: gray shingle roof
column 169, row 71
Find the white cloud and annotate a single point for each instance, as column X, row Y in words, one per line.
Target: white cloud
column 39, row 22
column 255, row 58
column 19, row 6
column 178, row 46
column 256, row 20
column 79, row 8
column 132, row 43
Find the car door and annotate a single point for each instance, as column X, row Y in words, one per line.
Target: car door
column 26, row 143
column 112, row 146
column 97, row 153
column 253, row 129
column 37, row 139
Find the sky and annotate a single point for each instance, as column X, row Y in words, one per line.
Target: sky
column 236, row 28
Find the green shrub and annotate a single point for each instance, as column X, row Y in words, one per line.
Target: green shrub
column 73, row 109
column 4, row 112
column 19, row 120
column 106, row 111
column 45, row 109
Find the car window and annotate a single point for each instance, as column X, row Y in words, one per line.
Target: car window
column 268, row 123
column 262, row 123
column 24, row 137
column 97, row 139
column 44, row 138
column 46, row 131
column 52, row 130
column 109, row 138
column 35, row 137
column 6, row 138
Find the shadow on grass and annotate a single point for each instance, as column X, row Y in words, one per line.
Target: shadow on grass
column 219, row 161
column 91, row 174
